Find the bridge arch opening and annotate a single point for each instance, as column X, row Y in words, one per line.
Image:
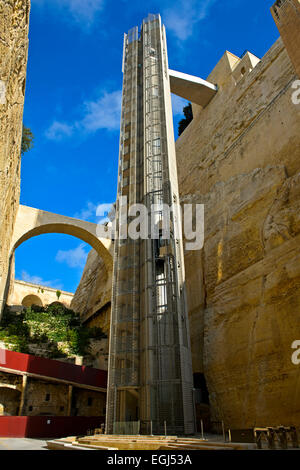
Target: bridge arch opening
column 32, row 222
column 30, row 300
column 48, row 266
column 9, row 400
column 68, row 229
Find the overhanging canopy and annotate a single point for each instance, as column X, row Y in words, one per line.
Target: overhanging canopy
column 194, row 89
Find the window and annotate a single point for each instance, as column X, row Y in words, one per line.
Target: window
column 155, row 91
column 30, row 408
column 156, row 146
column 47, row 398
column 90, row 401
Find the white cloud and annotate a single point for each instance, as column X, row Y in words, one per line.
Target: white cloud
column 178, row 104
column 82, row 12
column 181, row 18
column 87, row 213
column 83, row 9
column 59, row 130
column 40, row 281
column 91, row 212
column 75, row 258
column 102, row 113
column 105, row 212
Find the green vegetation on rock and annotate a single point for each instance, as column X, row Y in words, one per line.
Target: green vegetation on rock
column 27, row 140
column 55, row 328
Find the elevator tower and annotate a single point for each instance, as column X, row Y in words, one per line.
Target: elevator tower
column 150, row 370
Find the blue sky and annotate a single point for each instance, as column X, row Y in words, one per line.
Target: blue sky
column 73, row 98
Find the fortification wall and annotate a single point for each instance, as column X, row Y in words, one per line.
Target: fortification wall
column 240, row 158
column 286, row 14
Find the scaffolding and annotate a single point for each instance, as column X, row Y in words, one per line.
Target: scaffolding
column 150, row 372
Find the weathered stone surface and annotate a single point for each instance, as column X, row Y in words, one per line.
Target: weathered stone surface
column 26, row 293
column 36, row 402
column 93, row 295
column 45, row 398
column 240, row 158
column 14, row 19
column 89, row 403
column 10, row 394
column 92, row 300
column 98, row 354
column 286, row 14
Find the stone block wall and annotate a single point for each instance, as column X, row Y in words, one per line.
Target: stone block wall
column 89, row 403
column 44, row 398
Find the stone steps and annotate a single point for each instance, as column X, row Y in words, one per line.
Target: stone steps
column 59, row 444
column 117, row 442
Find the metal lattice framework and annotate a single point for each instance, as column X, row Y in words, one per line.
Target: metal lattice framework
column 150, row 372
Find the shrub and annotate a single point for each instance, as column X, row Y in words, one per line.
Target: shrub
column 52, row 324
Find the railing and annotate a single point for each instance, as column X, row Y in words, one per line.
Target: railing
column 128, row 376
column 127, row 427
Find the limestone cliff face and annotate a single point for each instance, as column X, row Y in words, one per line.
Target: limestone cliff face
column 14, row 19
column 93, row 295
column 92, row 300
column 240, row 157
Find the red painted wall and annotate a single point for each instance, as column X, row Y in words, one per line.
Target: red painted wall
column 51, row 368
column 48, row 426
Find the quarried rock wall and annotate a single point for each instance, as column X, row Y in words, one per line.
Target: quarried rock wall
column 14, row 21
column 240, row 157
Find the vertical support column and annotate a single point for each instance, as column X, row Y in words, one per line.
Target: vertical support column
column 123, row 368
column 23, row 394
column 70, row 396
column 149, row 347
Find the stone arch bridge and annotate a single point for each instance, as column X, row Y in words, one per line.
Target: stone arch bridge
column 23, row 293
column 31, row 222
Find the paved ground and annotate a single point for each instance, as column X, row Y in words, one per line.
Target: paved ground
column 40, row 444
column 22, row 444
